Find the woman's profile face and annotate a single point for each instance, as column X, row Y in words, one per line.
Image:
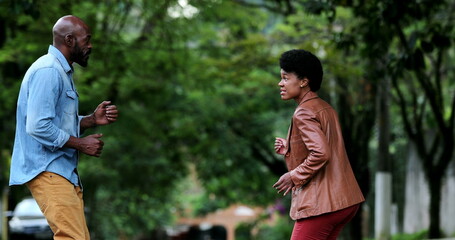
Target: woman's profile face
column 290, row 86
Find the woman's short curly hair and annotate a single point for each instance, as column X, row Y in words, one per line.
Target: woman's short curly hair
column 303, row 64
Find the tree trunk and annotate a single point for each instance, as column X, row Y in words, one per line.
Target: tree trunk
column 383, row 199
column 435, row 205
column 355, row 231
column 356, row 135
column 4, row 208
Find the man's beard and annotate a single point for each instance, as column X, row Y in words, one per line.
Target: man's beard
column 79, row 56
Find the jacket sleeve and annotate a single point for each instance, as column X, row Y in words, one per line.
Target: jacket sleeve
column 316, row 142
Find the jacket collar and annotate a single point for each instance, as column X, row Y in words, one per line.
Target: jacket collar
column 308, row 96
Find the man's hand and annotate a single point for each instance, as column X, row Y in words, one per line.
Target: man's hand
column 284, row 184
column 105, row 113
column 280, row 145
column 91, row 145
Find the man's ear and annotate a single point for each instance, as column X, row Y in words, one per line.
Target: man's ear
column 69, row 40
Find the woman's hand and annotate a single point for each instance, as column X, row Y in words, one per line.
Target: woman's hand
column 284, row 184
column 280, row 145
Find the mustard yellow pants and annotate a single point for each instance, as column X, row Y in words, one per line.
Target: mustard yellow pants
column 62, row 204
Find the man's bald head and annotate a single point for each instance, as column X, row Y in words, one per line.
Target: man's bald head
column 72, row 37
column 67, row 25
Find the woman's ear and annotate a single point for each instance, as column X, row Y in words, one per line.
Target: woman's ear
column 304, row 82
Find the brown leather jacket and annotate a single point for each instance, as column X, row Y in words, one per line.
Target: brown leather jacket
column 317, row 160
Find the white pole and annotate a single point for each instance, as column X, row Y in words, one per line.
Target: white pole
column 383, row 205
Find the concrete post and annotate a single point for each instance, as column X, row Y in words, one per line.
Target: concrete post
column 383, row 206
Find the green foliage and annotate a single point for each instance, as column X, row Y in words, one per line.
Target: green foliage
column 200, row 91
column 274, row 227
column 281, row 229
column 410, row 43
column 409, row 236
column 244, row 231
column 415, row 236
column 191, row 90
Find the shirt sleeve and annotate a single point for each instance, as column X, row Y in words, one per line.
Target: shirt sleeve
column 43, row 94
column 316, row 143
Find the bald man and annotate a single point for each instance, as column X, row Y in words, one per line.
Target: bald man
column 48, row 130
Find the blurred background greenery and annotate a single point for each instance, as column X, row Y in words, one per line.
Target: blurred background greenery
column 196, row 84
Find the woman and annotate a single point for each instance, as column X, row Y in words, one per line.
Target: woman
column 325, row 193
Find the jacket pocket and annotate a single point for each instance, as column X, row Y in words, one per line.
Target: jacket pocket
column 304, row 198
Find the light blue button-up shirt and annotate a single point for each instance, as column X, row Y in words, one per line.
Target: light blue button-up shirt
column 47, row 115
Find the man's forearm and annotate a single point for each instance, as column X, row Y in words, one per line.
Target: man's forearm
column 73, row 142
column 88, row 121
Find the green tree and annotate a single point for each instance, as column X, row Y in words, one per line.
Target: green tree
column 14, row 18
column 347, row 85
column 196, row 84
column 416, row 39
column 419, row 66
column 184, row 85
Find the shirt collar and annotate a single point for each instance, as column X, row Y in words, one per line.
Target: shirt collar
column 54, row 51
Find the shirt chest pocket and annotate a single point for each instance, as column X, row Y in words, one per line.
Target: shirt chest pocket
column 70, row 102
